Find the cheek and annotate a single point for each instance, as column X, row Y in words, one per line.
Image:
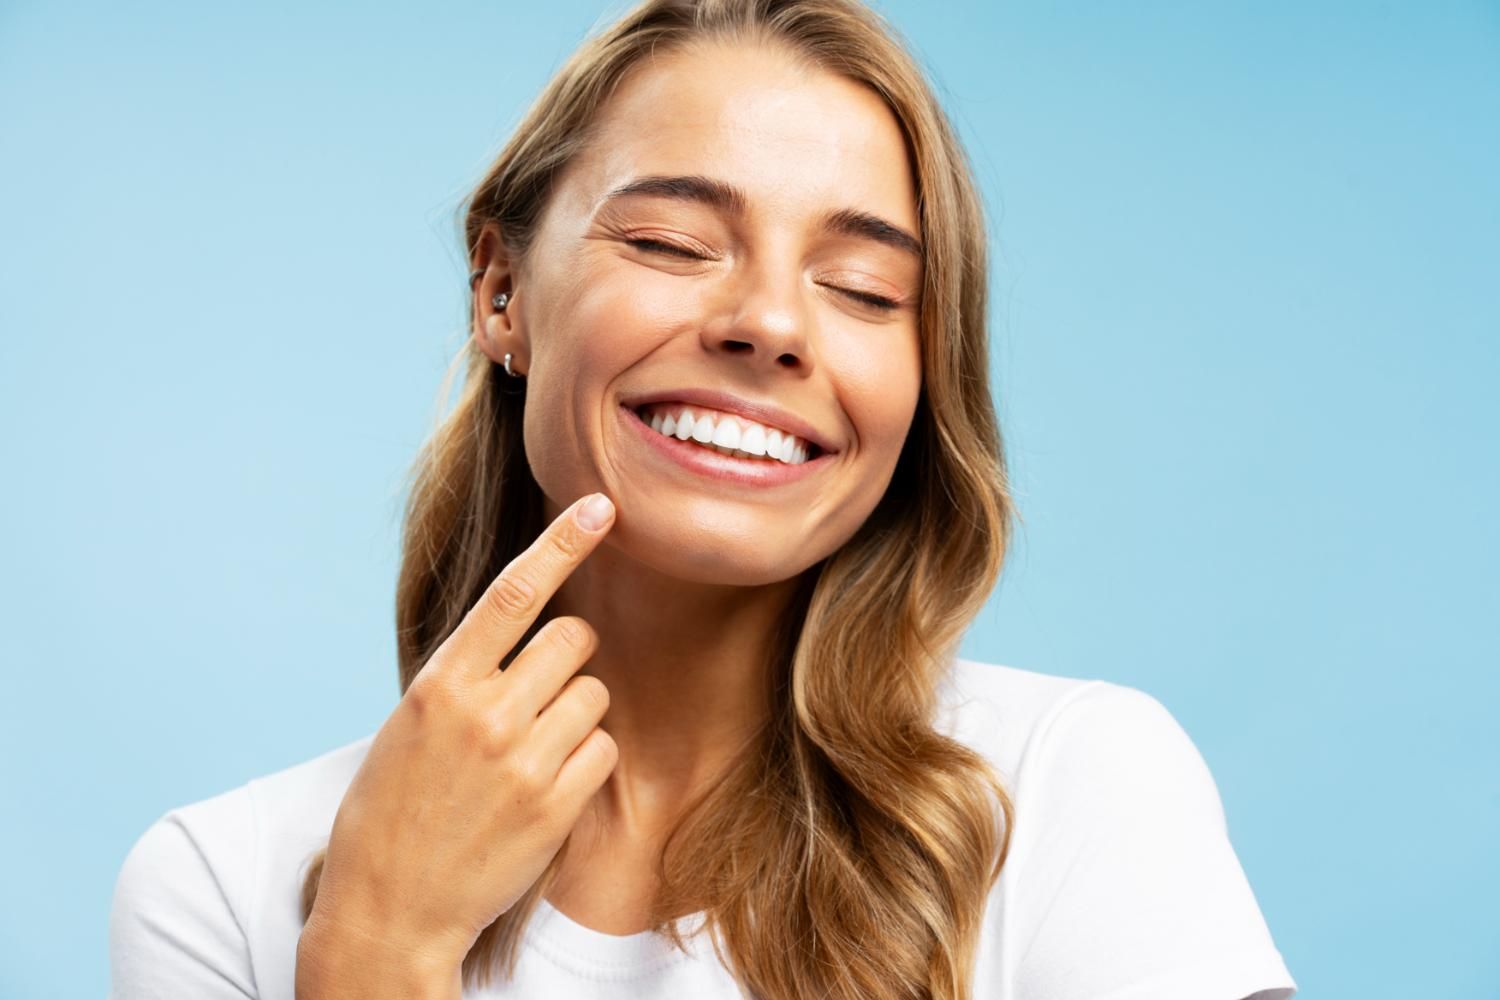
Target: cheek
column 878, row 388
column 879, row 385
column 651, row 303
column 605, row 316
column 593, row 326
column 619, row 312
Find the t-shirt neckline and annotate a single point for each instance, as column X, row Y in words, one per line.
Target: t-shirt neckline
column 592, row 952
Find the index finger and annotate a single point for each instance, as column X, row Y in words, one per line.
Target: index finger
column 501, row 616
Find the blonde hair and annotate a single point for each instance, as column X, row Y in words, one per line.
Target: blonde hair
column 896, row 832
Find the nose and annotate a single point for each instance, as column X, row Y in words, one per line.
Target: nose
column 766, row 321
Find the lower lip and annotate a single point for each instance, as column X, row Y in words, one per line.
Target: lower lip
column 717, row 465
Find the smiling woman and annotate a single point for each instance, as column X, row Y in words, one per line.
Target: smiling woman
column 738, row 221
column 730, row 272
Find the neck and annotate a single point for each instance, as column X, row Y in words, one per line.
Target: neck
column 686, row 667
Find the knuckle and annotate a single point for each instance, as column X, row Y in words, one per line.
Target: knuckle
column 496, row 732
column 509, row 597
column 566, row 543
column 526, row 774
column 428, row 694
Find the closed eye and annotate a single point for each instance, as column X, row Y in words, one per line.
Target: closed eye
column 667, row 248
column 878, row 301
column 875, row 301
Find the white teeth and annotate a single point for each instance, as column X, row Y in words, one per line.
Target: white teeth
column 726, row 436
column 753, row 440
column 773, row 442
column 703, row 430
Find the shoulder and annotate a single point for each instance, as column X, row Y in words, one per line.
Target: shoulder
column 1121, row 850
column 293, row 804
column 1066, row 746
column 207, row 880
column 229, row 831
column 1007, row 712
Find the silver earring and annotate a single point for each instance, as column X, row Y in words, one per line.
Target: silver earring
column 499, row 300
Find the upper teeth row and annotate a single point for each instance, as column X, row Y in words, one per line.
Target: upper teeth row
column 723, row 432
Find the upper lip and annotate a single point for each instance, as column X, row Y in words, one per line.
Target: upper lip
column 762, row 413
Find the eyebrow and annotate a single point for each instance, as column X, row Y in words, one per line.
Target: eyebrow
column 727, row 198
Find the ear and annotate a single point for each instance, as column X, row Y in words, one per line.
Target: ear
column 497, row 331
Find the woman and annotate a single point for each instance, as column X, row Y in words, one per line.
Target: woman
column 729, row 274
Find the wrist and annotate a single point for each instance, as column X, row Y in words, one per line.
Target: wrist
column 338, row 961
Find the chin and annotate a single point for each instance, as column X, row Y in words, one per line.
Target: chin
column 711, row 557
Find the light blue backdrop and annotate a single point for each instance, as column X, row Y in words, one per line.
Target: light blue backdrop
column 1246, row 301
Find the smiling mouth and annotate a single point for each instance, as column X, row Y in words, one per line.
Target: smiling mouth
column 732, row 436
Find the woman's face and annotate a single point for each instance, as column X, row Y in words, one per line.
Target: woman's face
column 769, row 301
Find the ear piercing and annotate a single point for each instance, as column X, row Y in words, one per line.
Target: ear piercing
column 500, row 301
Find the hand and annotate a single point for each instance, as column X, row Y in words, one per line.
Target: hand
column 471, row 786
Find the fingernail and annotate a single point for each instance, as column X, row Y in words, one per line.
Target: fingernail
column 594, row 513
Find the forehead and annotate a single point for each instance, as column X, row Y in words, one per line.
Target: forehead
column 798, row 141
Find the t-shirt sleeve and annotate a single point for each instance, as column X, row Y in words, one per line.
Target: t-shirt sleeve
column 1129, row 887
column 176, row 924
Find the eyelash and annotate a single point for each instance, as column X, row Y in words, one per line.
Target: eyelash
column 875, row 301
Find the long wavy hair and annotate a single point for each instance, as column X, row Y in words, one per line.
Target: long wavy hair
column 867, row 839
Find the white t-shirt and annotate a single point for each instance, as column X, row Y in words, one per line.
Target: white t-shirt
column 1121, row 884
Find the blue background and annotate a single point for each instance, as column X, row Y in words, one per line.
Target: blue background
column 1246, row 302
